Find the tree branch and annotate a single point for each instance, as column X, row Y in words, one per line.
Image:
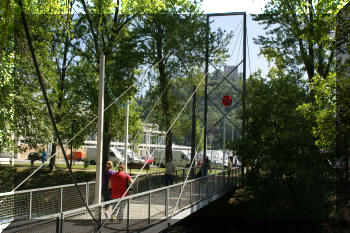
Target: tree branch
column 94, row 35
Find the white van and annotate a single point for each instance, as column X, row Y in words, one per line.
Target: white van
column 131, row 156
column 215, row 157
column 180, row 158
column 91, row 154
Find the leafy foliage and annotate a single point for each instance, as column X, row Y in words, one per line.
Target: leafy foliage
column 289, row 176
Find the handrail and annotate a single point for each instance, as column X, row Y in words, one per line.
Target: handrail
column 137, row 195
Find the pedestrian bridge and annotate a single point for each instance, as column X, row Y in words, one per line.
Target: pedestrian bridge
column 151, row 208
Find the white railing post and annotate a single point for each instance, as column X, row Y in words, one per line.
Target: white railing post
column 167, row 202
column 137, row 185
column 128, row 215
column 191, row 192
column 87, row 193
column 199, row 189
column 149, row 208
column 30, row 204
column 61, row 199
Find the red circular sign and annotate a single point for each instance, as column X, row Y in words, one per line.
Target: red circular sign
column 227, row 100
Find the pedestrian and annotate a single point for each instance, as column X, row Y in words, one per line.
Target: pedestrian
column 169, row 171
column 106, row 175
column 43, row 156
column 205, row 167
column 119, row 182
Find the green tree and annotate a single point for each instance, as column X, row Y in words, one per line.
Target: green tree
column 175, row 41
column 289, row 178
column 106, row 29
column 300, row 36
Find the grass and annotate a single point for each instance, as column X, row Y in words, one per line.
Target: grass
column 11, row 176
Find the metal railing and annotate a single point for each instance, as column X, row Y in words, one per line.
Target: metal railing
column 60, row 214
column 34, row 203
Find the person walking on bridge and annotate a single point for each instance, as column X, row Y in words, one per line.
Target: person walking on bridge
column 106, row 175
column 119, row 182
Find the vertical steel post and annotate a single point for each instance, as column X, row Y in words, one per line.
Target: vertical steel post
column 199, row 189
column 167, row 202
column 244, row 76
column 98, row 187
column 87, row 193
column 137, row 185
column 193, row 139
column 206, row 91
column 30, row 204
column 126, row 135
column 149, row 182
column 61, row 223
column 191, row 192
column 128, row 215
column 61, row 200
column 223, row 143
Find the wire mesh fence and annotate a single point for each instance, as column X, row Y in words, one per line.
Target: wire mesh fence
column 134, row 212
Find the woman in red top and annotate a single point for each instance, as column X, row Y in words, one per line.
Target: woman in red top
column 117, row 183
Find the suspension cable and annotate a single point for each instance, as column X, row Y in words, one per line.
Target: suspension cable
column 138, row 174
column 42, row 87
column 188, row 173
column 19, row 185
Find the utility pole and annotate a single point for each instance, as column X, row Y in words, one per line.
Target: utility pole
column 98, row 187
column 126, row 135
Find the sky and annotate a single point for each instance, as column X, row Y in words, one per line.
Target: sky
column 234, row 23
column 249, row 6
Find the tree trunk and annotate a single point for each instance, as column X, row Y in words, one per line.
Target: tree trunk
column 53, row 159
column 163, row 81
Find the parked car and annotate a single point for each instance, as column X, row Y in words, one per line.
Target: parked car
column 34, row 156
column 149, row 158
column 131, row 156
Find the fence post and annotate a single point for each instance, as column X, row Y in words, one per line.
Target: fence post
column 167, row 203
column 30, row 204
column 149, row 182
column 58, row 225
column 199, row 189
column 207, row 186
column 61, row 223
column 128, row 215
column 61, row 200
column 137, row 185
column 181, row 186
column 149, row 208
column 191, row 192
column 87, row 193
